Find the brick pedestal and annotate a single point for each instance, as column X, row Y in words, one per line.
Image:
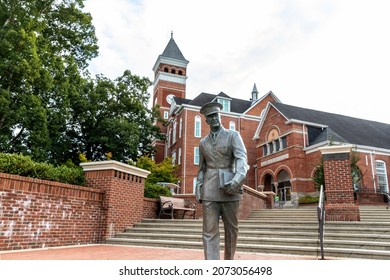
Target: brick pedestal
column 123, row 187
column 340, row 203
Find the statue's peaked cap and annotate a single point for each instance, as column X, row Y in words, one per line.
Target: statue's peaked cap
column 211, row 108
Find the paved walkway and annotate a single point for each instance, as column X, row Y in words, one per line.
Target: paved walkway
column 119, row 252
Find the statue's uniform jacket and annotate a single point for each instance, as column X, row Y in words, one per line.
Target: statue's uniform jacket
column 226, row 153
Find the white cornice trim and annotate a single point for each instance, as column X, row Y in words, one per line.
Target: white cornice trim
column 114, row 165
column 306, row 123
column 170, row 78
column 229, row 114
column 167, row 60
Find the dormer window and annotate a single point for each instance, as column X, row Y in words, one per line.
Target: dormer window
column 225, row 104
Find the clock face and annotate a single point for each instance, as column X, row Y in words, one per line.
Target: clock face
column 170, row 98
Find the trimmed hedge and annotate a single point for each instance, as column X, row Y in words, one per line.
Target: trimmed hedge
column 154, row 191
column 307, row 199
column 24, row 166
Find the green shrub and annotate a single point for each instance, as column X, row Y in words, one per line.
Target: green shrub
column 307, row 199
column 154, row 191
column 24, row 166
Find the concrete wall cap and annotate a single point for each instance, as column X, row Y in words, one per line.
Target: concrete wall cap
column 114, row 165
column 336, row 149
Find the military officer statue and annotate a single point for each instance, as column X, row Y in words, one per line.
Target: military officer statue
column 222, row 170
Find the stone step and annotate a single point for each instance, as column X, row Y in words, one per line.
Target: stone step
column 265, row 249
column 279, row 225
column 264, row 233
column 277, row 231
column 245, row 239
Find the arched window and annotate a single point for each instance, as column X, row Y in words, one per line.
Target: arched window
column 381, row 174
column 198, row 126
column 180, row 72
column 173, row 71
column 166, row 69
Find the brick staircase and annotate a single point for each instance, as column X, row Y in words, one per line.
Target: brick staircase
column 277, row 231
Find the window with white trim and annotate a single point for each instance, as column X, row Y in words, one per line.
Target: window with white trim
column 180, row 127
column 198, row 126
column 196, row 155
column 179, row 157
column 174, row 157
column 169, row 138
column 225, row 104
column 275, row 146
column 194, row 182
column 381, row 174
column 174, row 132
column 232, row 125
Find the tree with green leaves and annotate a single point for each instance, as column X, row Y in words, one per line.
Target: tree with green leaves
column 112, row 117
column 164, row 171
column 50, row 107
column 45, row 46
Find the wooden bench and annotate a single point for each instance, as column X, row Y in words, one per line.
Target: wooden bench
column 168, row 205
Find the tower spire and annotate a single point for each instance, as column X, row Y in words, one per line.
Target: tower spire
column 254, row 94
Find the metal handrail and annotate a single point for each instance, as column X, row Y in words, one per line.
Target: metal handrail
column 321, row 220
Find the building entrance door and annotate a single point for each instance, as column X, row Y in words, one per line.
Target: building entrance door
column 284, row 194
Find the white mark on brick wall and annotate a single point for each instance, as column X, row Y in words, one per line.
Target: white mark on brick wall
column 111, row 230
column 1, row 204
column 38, row 233
column 47, row 226
column 10, row 230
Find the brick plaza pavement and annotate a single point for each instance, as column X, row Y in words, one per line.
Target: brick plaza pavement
column 119, row 252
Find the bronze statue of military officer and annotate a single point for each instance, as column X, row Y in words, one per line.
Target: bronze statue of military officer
column 222, row 171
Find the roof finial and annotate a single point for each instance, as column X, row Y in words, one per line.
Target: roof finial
column 172, row 34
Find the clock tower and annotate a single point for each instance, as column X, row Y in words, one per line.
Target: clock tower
column 170, row 75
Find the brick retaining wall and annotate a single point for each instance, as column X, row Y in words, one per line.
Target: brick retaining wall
column 37, row 213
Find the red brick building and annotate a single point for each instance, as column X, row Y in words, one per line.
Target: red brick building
column 288, row 142
column 186, row 126
column 282, row 141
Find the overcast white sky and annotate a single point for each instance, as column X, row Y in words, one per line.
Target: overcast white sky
column 328, row 55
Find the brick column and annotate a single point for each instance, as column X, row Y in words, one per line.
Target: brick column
column 123, row 187
column 340, row 203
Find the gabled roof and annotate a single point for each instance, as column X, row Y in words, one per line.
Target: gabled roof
column 236, row 105
column 270, row 93
column 173, row 51
column 181, row 101
column 339, row 127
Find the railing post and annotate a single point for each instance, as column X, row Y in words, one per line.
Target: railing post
column 321, row 220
